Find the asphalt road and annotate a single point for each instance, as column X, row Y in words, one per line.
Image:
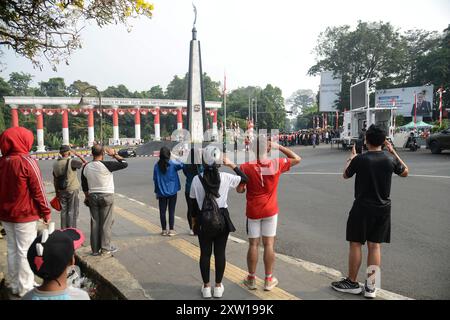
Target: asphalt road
column 314, row 201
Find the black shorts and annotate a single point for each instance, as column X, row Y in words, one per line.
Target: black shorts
column 367, row 223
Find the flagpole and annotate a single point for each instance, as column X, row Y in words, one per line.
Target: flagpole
column 441, row 89
column 224, row 107
column 415, row 109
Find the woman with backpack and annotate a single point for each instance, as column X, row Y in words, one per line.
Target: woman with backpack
column 167, row 185
column 211, row 218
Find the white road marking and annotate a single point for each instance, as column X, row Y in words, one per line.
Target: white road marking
column 340, row 173
column 309, row 266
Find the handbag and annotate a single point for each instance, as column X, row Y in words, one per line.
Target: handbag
column 61, row 181
column 55, row 204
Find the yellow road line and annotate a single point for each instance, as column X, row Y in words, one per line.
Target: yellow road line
column 141, row 222
column 232, row 272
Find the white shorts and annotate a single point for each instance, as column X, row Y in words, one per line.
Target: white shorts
column 266, row 227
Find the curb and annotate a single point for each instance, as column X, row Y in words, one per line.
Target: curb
column 110, row 272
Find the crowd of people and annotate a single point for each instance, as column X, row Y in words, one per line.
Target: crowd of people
column 48, row 255
column 308, row 137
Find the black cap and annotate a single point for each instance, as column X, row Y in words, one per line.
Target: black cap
column 53, row 256
column 64, row 148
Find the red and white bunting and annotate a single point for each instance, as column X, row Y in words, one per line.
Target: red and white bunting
column 86, row 112
column 25, row 111
column 174, row 112
column 121, row 112
column 37, row 112
column 98, row 112
column 132, row 111
column 74, row 112
column 154, row 112
column 144, row 111
column 49, row 112
column 184, row 112
column 164, row 112
column 211, row 113
column 109, row 112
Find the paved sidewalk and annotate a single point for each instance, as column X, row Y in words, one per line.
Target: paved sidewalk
column 150, row 266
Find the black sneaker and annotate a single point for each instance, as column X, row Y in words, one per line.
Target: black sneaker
column 347, row 286
column 111, row 250
column 95, row 254
column 370, row 293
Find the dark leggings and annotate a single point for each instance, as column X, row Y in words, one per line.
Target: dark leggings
column 189, row 208
column 163, row 202
column 206, row 247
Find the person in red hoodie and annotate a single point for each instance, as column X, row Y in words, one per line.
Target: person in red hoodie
column 23, row 203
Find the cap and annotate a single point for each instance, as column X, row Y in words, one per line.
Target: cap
column 64, row 148
column 49, row 255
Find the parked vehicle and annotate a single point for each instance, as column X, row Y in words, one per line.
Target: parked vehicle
column 439, row 141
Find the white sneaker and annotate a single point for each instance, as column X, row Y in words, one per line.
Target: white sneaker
column 206, row 292
column 218, row 291
column 191, row 233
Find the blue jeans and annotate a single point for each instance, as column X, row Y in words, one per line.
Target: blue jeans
column 163, row 203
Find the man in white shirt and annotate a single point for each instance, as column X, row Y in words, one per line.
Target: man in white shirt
column 98, row 185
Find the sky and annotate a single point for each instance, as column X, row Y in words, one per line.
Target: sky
column 255, row 42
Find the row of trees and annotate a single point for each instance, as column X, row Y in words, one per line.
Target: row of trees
column 270, row 106
column 382, row 53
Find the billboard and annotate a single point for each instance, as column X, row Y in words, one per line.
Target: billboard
column 403, row 99
column 330, row 88
column 358, row 95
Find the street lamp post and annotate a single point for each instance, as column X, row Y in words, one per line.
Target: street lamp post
column 83, row 103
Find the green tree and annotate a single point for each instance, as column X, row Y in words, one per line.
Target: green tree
column 271, row 112
column 374, row 50
column 54, row 87
column 51, row 29
column 300, row 99
column 238, row 101
column 177, row 88
column 20, row 83
column 5, row 90
column 434, row 67
column 78, row 87
column 121, row 91
column 305, row 118
column 155, row 92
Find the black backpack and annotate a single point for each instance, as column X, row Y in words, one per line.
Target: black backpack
column 61, row 181
column 212, row 220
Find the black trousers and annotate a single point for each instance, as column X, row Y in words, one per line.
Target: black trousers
column 165, row 202
column 206, row 247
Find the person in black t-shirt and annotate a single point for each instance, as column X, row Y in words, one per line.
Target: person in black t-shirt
column 370, row 217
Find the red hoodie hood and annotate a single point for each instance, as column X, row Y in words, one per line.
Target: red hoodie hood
column 16, row 141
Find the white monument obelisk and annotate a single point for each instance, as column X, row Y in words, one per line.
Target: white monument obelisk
column 196, row 117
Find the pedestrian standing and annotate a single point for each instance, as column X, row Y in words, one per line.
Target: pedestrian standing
column 167, row 185
column 214, row 186
column 262, row 206
column 64, row 170
column 97, row 181
column 370, row 217
column 23, row 203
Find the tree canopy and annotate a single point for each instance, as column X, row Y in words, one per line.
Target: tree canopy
column 381, row 53
column 51, row 29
